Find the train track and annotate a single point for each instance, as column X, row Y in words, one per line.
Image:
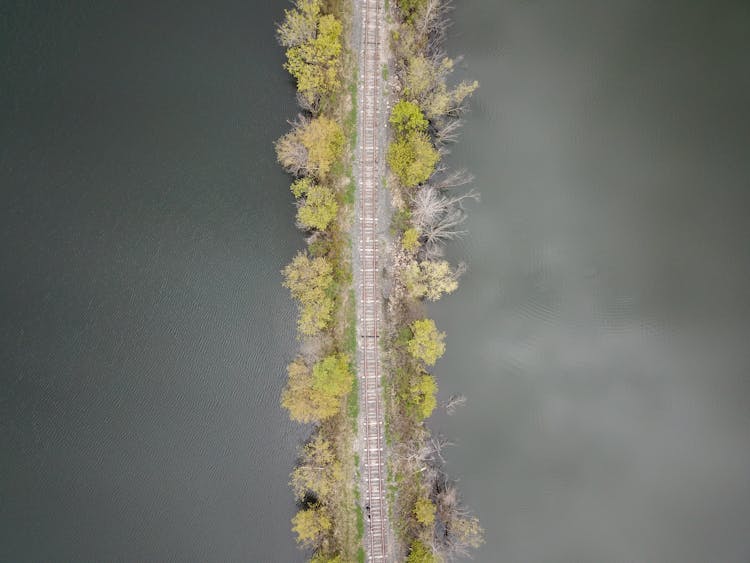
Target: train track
column 370, row 301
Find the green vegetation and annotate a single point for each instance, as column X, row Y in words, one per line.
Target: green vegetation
column 314, row 49
column 428, row 517
column 426, row 343
column 429, row 279
column 324, row 140
column 430, row 522
column 420, row 553
column 424, row 512
column 318, row 205
column 310, row 281
column 321, row 387
column 406, row 117
column 410, row 241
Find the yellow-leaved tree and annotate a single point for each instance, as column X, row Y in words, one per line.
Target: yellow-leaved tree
column 310, row 524
column 309, row 281
column 427, row 343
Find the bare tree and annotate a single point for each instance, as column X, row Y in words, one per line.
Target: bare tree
column 453, row 402
column 455, row 179
column 438, row 217
column 447, row 131
column 290, row 151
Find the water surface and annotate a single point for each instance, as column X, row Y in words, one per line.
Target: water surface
column 143, row 329
column 601, row 331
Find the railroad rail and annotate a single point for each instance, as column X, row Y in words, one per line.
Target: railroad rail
column 371, row 431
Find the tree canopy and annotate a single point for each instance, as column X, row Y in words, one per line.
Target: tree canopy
column 315, row 395
column 429, row 279
column 406, row 117
column 424, row 511
column 423, row 393
column 412, row 158
column 324, row 140
column 309, row 281
column 318, row 209
column 410, row 240
column 427, row 343
column 314, row 49
column 309, row 525
column 420, row 553
column 319, row 473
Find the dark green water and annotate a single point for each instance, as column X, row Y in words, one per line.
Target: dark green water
column 143, row 330
column 601, row 333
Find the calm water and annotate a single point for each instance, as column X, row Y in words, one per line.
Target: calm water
column 601, row 334
column 143, row 330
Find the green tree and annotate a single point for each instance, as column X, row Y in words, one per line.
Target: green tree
column 318, row 209
column 410, row 240
column 315, row 63
column 310, row 525
column 324, row 140
column 424, row 511
column 310, row 282
column 320, row 558
column 315, row 395
column 410, row 7
column 430, row 279
column 426, row 344
column 420, row 553
column 412, row 158
column 425, row 83
column 301, row 186
column 300, row 24
column 319, row 472
column 406, row 117
column 332, row 377
column 296, row 394
column 423, row 393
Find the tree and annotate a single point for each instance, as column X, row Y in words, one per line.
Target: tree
column 411, row 155
column 464, row 532
column 406, row 117
column 424, row 511
column 299, row 25
column 426, row 343
column 314, row 59
column 332, row 377
column 310, row 281
column 410, row 240
column 320, row 558
column 314, row 395
column 425, row 83
column 422, row 395
column 301, row 186
column 290, row 152
column 296, row 395
column 420, row 553
column 412, row 158
column 430, row 279
column 318, row 209
column 319, row 471
column 309, row 525
column 324, row 140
